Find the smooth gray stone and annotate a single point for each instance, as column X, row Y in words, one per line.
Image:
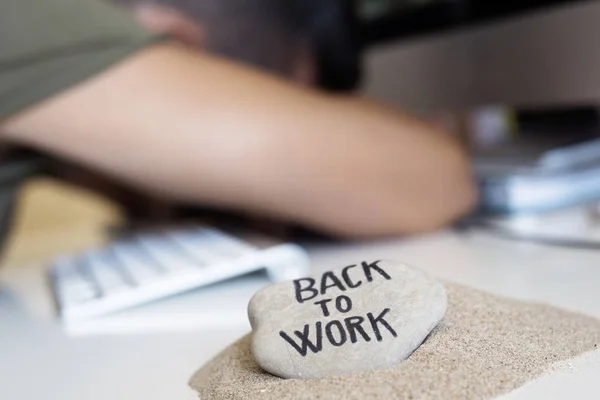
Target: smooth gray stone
column 368, row 316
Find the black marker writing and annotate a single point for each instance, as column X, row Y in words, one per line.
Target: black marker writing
column 340, row 332
column 323, row 304
column 347, row 279
column 305, row 288
column 305, row 341
column 343, row 308
column 335, row 282
column 380, row 320
column 373, row 266
column 354, row 324
column 310, row 288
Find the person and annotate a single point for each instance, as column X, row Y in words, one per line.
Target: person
column 312, row 42
column 271, row 35
column 80, row 80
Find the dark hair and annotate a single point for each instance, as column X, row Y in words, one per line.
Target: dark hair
column 270, row 33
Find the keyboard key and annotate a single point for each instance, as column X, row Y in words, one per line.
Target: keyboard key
column 209, row 246
column 70, row 293
column 133, row 261
column 202, row 253
column 70, row 285
column 223, row 243
column 167, row 255
column 108, row 278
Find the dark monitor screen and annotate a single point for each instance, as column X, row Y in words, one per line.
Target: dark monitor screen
column 385, row 20
column 342, row 29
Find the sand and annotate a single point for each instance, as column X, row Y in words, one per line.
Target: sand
column 486, row 346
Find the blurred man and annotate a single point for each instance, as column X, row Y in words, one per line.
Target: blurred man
column 255, row 32
column 81, row 81
column 307, row 41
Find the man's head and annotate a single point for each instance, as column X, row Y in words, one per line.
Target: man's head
column 309, row 41
column 262, row 33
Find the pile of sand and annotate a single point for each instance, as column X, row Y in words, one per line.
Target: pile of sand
column 486, row 346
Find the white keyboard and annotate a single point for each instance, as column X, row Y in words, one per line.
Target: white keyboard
column 158, row 265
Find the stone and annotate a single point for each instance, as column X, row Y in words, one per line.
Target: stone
column 486, row 347
column 367, row 316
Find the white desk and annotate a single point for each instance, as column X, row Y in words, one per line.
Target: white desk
column 37, row 360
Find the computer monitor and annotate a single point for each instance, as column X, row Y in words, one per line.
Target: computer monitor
column 385, row 20
column 345, row 28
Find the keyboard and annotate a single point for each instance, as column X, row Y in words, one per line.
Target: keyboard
column 152, row 266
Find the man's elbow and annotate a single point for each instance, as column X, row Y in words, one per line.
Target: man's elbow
column 427, row 204
column 447, row 195
column 447, row 207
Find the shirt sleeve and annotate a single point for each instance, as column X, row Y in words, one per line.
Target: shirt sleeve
column 47, row 46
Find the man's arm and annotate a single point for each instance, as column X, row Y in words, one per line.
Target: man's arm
column 198, row 129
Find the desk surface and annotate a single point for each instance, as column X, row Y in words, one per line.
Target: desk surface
column 38, row 360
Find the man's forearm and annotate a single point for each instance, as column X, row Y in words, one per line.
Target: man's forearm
column 194, row 128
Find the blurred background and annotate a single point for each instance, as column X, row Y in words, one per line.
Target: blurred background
column 513, row 80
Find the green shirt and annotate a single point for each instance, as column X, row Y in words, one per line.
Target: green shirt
column 46, row 46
